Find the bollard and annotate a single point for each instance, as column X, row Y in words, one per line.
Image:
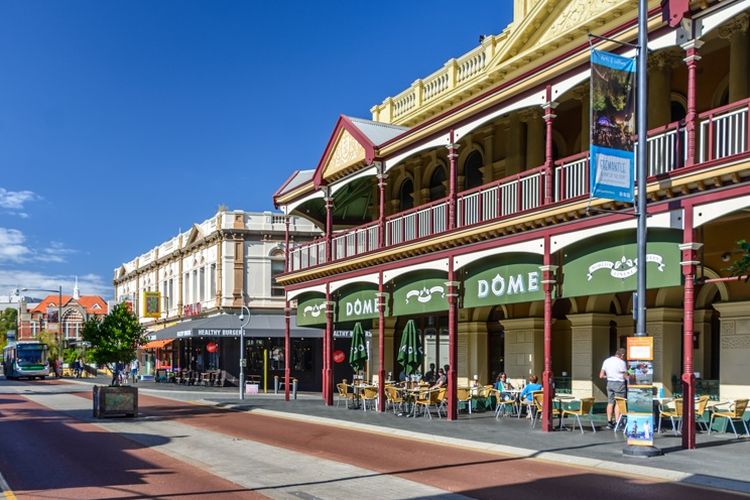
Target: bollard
column 275, row 384
column 294, row 388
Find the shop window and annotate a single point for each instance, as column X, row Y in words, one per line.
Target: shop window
column 472, row 172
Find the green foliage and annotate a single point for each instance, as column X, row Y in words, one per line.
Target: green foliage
column 741, row 267
column 115, row 338
column 7, row 322
column 50, row 338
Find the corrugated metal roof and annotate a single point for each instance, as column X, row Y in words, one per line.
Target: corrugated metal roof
column 297, row 179
column 377, row 132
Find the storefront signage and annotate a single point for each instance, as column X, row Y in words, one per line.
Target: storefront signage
column 190, row 310
column 311, row 310
column 419, row 293
column 356, row 305
column 512, row 279
column 347, row 334
column 609, row 264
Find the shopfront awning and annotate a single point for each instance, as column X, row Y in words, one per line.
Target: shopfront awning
column 228, row 325
column 157, row 344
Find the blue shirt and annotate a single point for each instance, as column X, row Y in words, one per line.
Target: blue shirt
column 526, row 392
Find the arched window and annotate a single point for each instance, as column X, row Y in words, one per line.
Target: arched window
column 406, row 195
column 437, row 184
column 472, row 174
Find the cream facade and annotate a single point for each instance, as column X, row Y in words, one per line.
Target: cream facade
column 216, row 266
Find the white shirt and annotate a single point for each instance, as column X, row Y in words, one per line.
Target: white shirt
column 615, row 369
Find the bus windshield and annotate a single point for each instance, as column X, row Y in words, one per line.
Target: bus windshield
column 31, row 354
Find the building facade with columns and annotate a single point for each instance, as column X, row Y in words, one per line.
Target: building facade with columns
column 464, row 204
column 212, row 270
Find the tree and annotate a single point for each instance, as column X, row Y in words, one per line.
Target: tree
column 114, row 339
column 7, row 322
column 741, row 266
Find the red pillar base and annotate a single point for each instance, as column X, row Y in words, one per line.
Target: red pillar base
column 381, row 390
column 688, row 411
column 329, row 387
column 549, row 392
column 287, row 383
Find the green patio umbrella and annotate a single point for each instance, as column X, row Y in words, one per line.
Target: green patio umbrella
column 358, row 351
column 410, row 353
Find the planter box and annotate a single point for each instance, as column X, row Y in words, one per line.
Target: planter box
column 115, row 401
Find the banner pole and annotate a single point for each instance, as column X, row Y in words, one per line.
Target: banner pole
column 639, row 305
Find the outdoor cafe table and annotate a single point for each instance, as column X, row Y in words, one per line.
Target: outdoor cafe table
column 562, row 399
column 409, row 395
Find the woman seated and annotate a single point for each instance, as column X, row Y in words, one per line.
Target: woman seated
column 531, row 387
column 442, row 379
column 503, row 385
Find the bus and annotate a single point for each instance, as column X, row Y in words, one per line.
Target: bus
column 25, row 359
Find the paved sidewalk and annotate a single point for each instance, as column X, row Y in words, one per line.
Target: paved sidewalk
column 715, row 464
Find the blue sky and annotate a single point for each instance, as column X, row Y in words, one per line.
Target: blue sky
column 123, row 121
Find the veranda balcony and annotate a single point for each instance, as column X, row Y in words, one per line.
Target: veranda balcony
column 721, row 133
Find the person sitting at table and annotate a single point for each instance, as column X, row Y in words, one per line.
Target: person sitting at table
column 503, row 385
column 441, row 380
column 402, row 376
column 528, row 391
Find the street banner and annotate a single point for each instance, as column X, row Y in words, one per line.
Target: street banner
column 612, row 126
column 152, row 304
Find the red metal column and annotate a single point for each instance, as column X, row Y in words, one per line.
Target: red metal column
column 691, row 119
column 549, row 117
column 689, row 262
column 381, row 344
column 287, row 346
column 548, row 283
column 452, row 286
column 452, row 156
column 382, row 176
column 328, row 351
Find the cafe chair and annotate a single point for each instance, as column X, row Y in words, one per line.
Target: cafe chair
column 585, row 407
column 537, row 400
column 463, row 395
column 736, row 411
column 344, row 394
column 369, row 395
column 674, row 415
column 394, row 399
column 442, row 401
column 700, row 411
column 528, row 404
column 428, row 399
column 622, row 405
column 502, row 405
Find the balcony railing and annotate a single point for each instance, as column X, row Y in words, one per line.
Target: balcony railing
column 510, row 196
column 720, row 133
column 425, row 220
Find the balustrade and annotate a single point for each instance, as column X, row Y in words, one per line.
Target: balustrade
column 721, row 133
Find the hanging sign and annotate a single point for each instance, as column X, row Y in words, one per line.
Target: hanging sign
column 356, row 304
column 419, row 293
column 612, row 164
column 311, row 310
column 152, row 304
column 609, row 263
column 510, row 279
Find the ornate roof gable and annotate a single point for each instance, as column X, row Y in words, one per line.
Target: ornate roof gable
column 558, row 22
column 347, row 148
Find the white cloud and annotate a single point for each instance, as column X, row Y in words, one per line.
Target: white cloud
column 12, row 246
column 88, row 284
column 15, row 200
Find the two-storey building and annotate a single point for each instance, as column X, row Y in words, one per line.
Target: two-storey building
column 464, row 204
column 189, row 291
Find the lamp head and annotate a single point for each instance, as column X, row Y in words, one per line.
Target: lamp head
column 242, row 317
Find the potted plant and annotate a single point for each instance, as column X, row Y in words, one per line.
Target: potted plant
column 114, row 341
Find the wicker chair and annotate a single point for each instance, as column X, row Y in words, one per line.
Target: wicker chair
column 585, row 406
column 428, row 399
column 537, row 399
column 735, row 412
column 344, row 394
column 674, row 415
column 622, row 405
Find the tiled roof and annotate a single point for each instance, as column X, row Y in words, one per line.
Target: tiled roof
column 92, row 304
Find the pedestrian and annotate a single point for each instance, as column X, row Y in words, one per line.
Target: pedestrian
column 81, row 366
column 614, row 370
column 77, row 368
column 134, row 367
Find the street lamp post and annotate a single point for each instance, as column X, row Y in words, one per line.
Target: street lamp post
column 244, row 322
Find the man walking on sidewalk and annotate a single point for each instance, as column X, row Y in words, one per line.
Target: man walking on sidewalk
column 615, row 371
